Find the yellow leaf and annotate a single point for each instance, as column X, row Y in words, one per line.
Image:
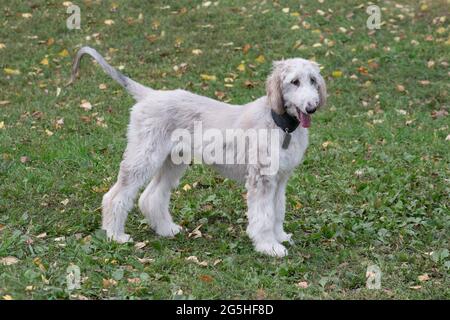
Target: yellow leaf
column 44, row 62
column 2, row 124
column 2, row 46
column 295, row 27
column 440, row 30
column 109, row 22
column 26, row 15
column 241, row 67
column 260, row 59
column 286, row 10
column 11, row 71
column 208, row 77
column 48, row 132
column 336, row 74
column 197, row 52
column 64, row 53
column 187, row 187
column 295, row 14
column 424, row 7
column 326, row 144
column 7, row 297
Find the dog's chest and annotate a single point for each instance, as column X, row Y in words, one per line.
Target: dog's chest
column 292, row 156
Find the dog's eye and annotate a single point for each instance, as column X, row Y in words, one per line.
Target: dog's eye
column 296, row 82
column 313, row 81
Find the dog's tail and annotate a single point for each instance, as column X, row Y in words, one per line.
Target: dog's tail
column 137, row 90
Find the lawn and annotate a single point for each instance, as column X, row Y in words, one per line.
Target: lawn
column 373, row 188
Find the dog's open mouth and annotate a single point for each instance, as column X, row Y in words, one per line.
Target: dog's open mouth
column 305, row 119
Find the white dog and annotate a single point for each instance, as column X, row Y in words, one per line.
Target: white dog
column 295, row 89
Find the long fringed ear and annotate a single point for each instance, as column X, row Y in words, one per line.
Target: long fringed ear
column 322, row 91
column 274, row 93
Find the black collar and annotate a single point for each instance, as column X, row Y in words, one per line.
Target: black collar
column 285, row 121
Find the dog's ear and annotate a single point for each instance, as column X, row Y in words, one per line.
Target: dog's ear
column 273, row 89
column 322, row 91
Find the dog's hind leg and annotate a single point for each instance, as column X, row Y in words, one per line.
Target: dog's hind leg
column 154, row 201
column 141, row 162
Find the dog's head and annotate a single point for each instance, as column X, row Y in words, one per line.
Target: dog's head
column 295, row 86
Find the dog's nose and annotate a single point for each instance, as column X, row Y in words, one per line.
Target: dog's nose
column 310, row 108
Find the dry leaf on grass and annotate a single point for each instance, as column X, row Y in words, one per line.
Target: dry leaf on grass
column 302, row 285
column 8, row 261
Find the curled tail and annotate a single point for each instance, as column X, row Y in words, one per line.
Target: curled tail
column 137, row 90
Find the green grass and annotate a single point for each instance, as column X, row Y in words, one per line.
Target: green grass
column 376, row 193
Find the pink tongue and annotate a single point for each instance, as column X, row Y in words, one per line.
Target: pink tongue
column 305, row 120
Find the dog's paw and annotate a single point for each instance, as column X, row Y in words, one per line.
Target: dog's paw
column 119, row 238
column 284, row 237
column 168, row 230
column 273, row 249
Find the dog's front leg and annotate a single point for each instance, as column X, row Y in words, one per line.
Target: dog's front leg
column 280, row 208
column 261, row 192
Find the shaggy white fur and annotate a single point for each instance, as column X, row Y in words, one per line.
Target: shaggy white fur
column 295, row 87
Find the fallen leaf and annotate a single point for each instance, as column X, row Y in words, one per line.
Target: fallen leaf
column 439, row 113
column 2, row 124
column 64, row 53
column 246, row 48
column 423, row 277
column 424, row 82
column 8, row 261
column 140, row 245
column 7, row 297
column 59, row 123
column 102, row 86
column 109, row 22
column 187, row 187
column 326, row 144
column 196, row 233
column 220, row 94
column 197, row 52
column 336, row 74
column 302, row 285
column 260, row 59
column 415, row 287
column 241, row 67
column 4, row 102
column 86, row 105
column 206, row 278
column 27, row 15
column 10, row 71
column 195, row 259
column 65, row 202
column 48, row 132
column 260, row 294
column 447, row 138
column 44, row 62
column 145, row 260
column 208, row 77
column 108, row 283
column 2, row 46
column 42, row 235
column 400, row 88
column 134, row 280
column 24, row 159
